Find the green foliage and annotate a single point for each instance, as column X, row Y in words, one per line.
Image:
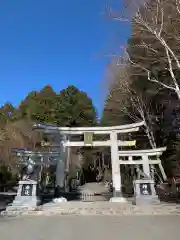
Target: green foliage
column 39, row 106
column 74, row 108
column 70, row 107
column 7, row 113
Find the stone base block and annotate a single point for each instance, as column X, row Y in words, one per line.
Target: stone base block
column 146, row 200
column 24, row 202
column 59, row 200
column 145, row 193
column 118, row 200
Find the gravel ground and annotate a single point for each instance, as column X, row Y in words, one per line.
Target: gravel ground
column 84, row 227
column 94, row 209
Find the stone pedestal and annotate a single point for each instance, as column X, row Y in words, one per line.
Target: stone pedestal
column 27, row 195
column 118, row 200
column 118, row 197
column 144, row 192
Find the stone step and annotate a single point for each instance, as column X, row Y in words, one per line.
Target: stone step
column 17, row 208
column 15, row 203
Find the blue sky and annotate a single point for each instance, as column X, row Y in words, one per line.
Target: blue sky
column 55, row 42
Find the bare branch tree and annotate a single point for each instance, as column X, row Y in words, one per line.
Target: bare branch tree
column 16, row 135
column 160, row 21
column 124, row 96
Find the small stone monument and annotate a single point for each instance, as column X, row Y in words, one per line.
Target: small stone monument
column 28, row 190
column 27, row 194
column 144, row 192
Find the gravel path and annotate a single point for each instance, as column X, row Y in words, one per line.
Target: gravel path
column 94, row 187
column 94, row 209
column 83, row 227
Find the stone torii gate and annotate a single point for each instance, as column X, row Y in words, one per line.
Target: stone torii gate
column 113, row 143
column 51, row 158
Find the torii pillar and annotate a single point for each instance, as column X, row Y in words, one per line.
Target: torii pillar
column 116, row 173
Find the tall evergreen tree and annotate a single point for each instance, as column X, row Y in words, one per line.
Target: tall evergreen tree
column 71, row 107
column 74, row 108
column 39, row 106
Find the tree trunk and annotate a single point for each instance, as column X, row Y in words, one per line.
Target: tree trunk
column 178, row 93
